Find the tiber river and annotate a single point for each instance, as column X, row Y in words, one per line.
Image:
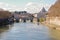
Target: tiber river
column 29, row 31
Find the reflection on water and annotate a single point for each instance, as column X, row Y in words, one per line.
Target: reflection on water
column 5, row 28
column 29, row 31
column 55, row 34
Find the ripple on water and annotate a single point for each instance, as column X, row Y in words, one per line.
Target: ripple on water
column 27, row 31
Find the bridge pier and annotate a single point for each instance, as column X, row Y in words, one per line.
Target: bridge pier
column 17, row 20
column 24, row 19
column 38, row 20
column 31, row 20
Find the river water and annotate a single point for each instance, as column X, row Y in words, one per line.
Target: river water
column 29, row 31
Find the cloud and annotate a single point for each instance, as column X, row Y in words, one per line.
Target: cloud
column 35, row 7
column 30, row 3
column 32, row 7
column 9, row 7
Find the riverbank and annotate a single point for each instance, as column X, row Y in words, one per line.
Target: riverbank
column 51, row 25
column 4, row 28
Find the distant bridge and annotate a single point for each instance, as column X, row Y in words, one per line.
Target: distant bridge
column 23, row 17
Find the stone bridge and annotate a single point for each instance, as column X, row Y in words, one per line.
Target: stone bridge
column 23, row 17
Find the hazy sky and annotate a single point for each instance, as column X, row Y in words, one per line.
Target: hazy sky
column 29, row 5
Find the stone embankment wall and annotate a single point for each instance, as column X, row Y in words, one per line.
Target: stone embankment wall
column 53, row 22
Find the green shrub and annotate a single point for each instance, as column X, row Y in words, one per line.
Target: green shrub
column 42, row 19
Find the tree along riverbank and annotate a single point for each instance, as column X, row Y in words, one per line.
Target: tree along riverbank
column 5, row 18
